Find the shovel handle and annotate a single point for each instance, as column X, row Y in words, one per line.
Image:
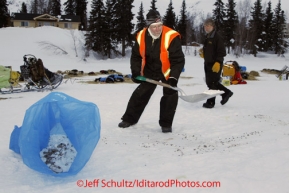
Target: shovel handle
column 142, row 78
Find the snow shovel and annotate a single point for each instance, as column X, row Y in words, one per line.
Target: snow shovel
column 188, row 98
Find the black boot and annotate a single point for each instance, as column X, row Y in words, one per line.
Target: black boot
column 125, row 124
column 225, row 97
column 166, row 129
column 210, row 103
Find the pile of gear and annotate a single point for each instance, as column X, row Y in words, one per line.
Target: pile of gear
column 110, row 78
column 234, row 73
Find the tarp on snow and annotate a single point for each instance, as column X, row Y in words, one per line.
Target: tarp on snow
column 80, row 121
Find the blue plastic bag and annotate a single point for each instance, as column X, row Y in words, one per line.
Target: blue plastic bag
column 80, row 121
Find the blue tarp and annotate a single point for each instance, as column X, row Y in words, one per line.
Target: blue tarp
column 80, row 121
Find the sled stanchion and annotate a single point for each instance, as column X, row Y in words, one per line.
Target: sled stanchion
column 188, row 98
column 48, row 81
column 282, row 71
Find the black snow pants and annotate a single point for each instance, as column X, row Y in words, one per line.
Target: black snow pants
column 213, row 81
column 140, row 98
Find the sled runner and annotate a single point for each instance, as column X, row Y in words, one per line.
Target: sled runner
column 35, row 76
column 188, row 98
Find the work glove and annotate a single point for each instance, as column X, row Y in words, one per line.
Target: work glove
column 216, row 67
column 201, row 53
column 172, row 81
column 134, row 75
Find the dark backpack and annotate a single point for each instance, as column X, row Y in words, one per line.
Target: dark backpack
column 37, row 70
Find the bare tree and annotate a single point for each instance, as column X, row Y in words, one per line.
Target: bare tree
column 50, row 46
column 39, row 6
column 74, row 38
column 194, row 16
column 243, row 10
column 42, row 5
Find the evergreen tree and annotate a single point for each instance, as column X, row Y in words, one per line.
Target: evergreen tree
column 182, row 25
column 279, row 45
column 285, row 42
column 109, row 28
column 81, row 10
column 4, row 14
column 255, row 43
column 23, row 8
column 170, row 17
column 124, row 23
column 153, row 5
column 141, row 23
column 230, row 25
column 219, row 16
column 95, row 37
column 69, row 7
column 55, row 7
column 268, row 28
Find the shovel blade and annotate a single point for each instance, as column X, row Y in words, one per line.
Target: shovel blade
column 201, row 96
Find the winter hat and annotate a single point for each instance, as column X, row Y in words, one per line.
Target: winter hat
column 209, row 21
column 153, row 16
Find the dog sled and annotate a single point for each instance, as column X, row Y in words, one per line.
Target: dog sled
column 33, row 76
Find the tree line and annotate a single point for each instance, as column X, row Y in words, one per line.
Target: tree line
column 246, row 28
column 251, row 29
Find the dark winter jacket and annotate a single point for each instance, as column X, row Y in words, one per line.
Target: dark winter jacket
column 214, row 49
column 153, row 66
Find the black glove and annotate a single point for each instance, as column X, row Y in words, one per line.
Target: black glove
column 135, row 80
column 173, row 81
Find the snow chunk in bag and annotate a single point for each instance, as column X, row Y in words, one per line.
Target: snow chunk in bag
column 60, row 153
column 79, row 120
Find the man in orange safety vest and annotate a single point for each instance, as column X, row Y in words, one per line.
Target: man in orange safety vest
column 157, row 54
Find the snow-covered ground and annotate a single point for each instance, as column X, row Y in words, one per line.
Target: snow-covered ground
column 242, row 146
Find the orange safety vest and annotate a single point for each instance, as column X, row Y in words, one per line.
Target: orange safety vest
column 167, row 36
